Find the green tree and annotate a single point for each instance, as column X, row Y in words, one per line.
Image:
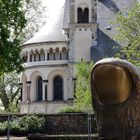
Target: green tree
column 30, row 15
column 128, row 27
column 10, row 92
column 19, row 19
column 12, row 22
column 83, row 99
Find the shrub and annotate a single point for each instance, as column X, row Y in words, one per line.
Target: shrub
column 70, row 109
column 3, row 127
column 32, row 124
column 23, row 126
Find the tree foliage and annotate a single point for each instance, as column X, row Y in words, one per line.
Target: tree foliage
column 19, row 19
column 128, row 27
column 10, row 92
column 12, row 22
column 83, row 93
column 82, row 100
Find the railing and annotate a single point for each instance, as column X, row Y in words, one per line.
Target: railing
column 43, row 63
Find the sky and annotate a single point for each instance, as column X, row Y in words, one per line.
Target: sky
column 52, row 6
column 52, row 9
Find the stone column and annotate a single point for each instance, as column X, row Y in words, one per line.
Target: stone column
column 46, row 55
column 28, row 57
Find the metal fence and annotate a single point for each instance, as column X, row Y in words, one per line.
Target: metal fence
column 74, row 125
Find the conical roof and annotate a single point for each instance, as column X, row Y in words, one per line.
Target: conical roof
column 53, row 30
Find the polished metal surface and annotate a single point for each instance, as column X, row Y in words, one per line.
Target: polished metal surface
column 112, row 84
column 115, row 88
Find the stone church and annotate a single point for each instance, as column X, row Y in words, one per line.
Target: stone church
column 81, row 30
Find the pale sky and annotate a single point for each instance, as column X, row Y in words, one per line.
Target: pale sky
column 52, row 6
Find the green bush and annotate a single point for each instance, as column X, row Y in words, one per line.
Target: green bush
column 3, row 127
column 22, row 126
column 32, row 124
column 70, row 109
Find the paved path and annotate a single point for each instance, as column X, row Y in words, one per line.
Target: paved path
column 13, row 138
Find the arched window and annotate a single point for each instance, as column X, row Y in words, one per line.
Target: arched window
column 25, row 58
column 83, row 15
column 42, row 55
column 39, row 88
column 57, row 54
column 51, row 54
column 86, row 15
column 58, row 88
column 80, row 15
column 31, row 58
column 64, row 54
column 34, row 57
column 37, row 56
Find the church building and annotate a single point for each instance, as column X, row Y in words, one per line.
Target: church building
column 81, row 30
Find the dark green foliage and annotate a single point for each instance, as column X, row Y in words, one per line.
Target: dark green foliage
column 23, row 126
column 12, row 22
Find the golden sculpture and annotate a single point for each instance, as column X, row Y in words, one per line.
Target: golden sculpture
column 115, row 87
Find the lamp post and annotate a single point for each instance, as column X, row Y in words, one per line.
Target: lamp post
column 28, row 106
column 8, row 127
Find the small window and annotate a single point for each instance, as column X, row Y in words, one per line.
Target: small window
column 31, row 58
column 83, row 15
column 51, row 54
column 64, row 54
column 80, row 15
column 57, row 54
column 86, row 15
column 34, row 57
column 25, row 59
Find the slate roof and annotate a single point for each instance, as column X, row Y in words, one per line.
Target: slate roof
column 106, row 10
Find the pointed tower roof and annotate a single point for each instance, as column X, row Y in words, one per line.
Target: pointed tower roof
column 53, row 30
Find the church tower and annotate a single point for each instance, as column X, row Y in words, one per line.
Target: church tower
column 82, row 29
column 80, row 25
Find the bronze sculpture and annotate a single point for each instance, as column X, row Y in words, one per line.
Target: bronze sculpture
column 115, row 87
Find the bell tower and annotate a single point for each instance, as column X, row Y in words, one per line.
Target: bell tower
column 82, row 32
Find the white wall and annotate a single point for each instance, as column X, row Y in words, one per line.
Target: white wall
column 82, row 44
column 47, row 73
column 43, row 107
